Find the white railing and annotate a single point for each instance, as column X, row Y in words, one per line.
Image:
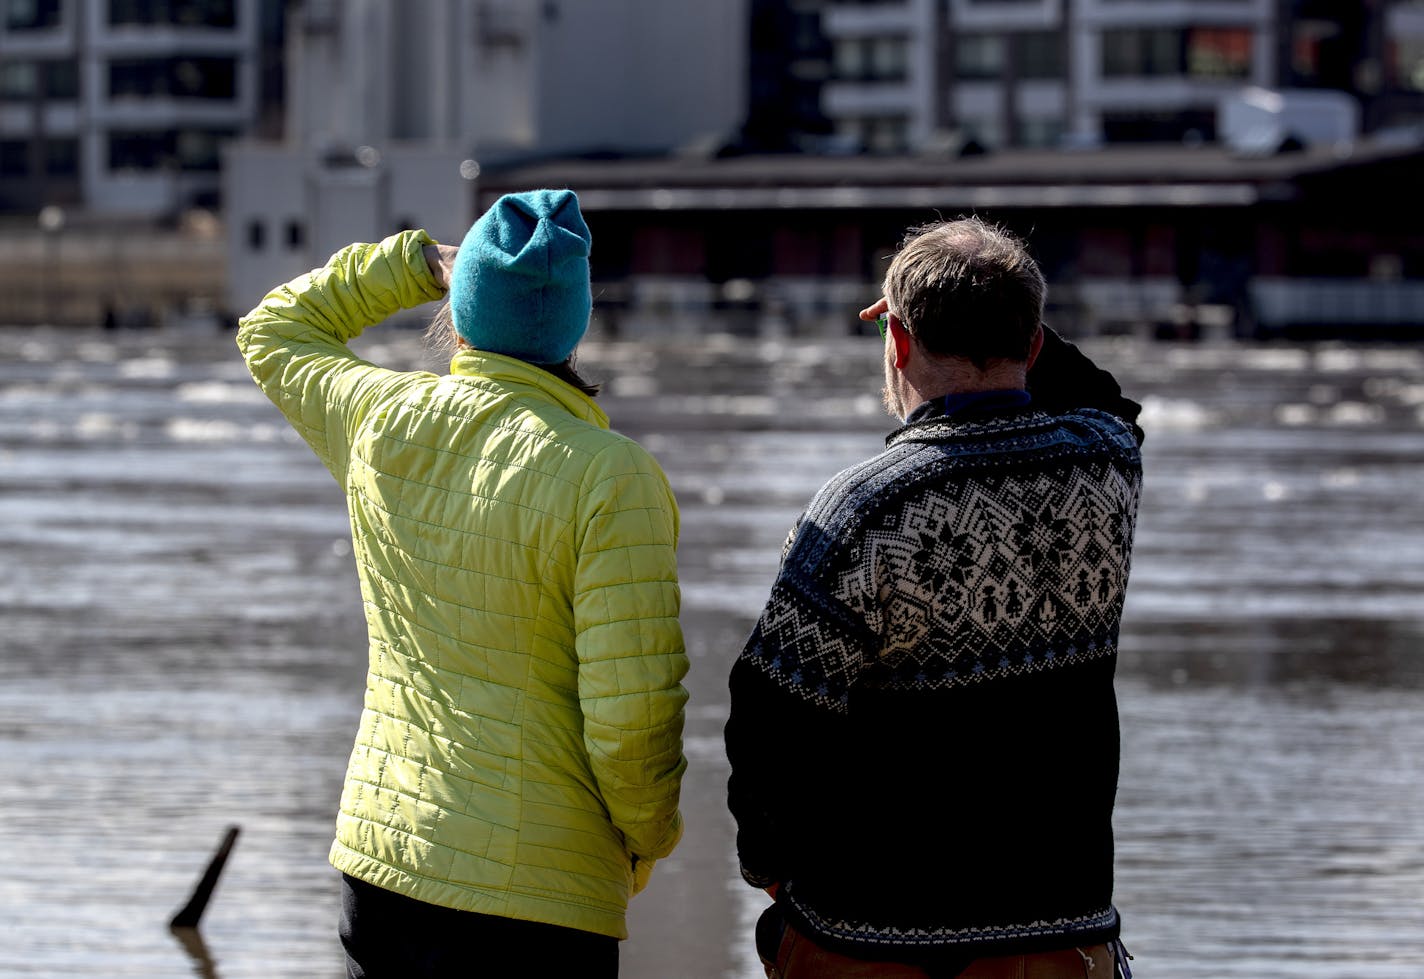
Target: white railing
column 1341, row 302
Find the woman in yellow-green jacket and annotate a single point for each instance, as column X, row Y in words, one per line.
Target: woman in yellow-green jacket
column 519, row 757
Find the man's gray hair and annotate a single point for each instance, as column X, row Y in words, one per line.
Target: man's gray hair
column 967, row 288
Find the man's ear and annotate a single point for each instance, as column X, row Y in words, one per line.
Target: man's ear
column 902, row 340
column 1034, row 346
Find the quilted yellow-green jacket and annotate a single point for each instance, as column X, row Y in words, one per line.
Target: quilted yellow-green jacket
column 520, row 749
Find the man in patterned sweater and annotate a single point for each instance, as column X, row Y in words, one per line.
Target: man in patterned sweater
column 923, row 731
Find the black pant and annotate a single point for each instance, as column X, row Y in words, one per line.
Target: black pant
column 390, row 936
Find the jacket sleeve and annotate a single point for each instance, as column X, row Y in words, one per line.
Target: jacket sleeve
column 1064, row 378
column 631, row 658
column 294, row 342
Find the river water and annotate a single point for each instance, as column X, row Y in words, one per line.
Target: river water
column 182, row 647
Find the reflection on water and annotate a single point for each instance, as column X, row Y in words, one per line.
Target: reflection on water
column 197, row 948
column 182, row 648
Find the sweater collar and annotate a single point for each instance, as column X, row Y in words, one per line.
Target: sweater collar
column 482, row 365
column 971, row 403
column 962, row 407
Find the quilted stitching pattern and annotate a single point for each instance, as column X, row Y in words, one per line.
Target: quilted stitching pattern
column 520, row 747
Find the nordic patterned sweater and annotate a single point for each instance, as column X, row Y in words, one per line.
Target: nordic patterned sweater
column 923, row 730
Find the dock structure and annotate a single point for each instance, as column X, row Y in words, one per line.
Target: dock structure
column 1165, row 238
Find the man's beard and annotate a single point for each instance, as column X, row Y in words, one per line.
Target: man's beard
column 888, row 397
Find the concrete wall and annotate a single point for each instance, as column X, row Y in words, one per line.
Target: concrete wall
column 143, row 276
column 640, row 74
column 387, row 102
column 629, row 75
column 287, row 211
column 265, row 195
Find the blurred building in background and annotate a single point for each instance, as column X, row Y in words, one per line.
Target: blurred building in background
column 1135, row 238
column 121, row 107
column 394, row 109
column 900, row 75
column 113, row 116
column 1236, row 164
column 1181, row 166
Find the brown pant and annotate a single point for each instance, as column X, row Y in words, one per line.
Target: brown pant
column 800, row 958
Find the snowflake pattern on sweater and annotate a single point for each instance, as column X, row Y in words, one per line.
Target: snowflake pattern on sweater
column 965, row 552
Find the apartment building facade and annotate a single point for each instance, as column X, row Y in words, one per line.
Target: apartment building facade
column 918, row 74
column 120, row 107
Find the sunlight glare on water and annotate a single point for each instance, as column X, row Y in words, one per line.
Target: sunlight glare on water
column 183, row 647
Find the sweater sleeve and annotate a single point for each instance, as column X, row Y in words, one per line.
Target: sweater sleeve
column 762, row 734
column 631, row 658
column 783, row 748
column 295, row 340
column 790, row 689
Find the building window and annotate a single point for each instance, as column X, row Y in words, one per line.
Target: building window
column 979, row 56
column 1219, row 52
column 25, row 80
column 887, row 134
column 60, row 79
column 183, row 149
column 201, row 149
column 62, row 157
column 138, row 151
column 1406, row 62
column 875, row 134
column 672, row 251
column 889, row 58
column 132, row 78
column 256, row 235
column 806, row 33
column 32, row 15
column 871, row 59
column 1142, row 53
column 179, row 78
column 1199, row 52
column 203, row 78
column 501, row 24
column 1041, row 54
column 297, row 234
column 1408, row 65
column 19, row 81
column 1309, row 40
column 137, row 78
column 987, row 131
column 181, row 13
column 14, row 158
column 850, row 59
column 1039, row 131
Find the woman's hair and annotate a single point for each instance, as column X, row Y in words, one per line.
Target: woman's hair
column 443, row 342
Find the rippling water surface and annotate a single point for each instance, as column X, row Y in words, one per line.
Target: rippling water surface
column 182, row 648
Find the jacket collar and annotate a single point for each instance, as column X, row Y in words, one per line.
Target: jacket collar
column 481, row 365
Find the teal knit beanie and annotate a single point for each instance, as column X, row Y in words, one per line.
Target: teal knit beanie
column 520, row 285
